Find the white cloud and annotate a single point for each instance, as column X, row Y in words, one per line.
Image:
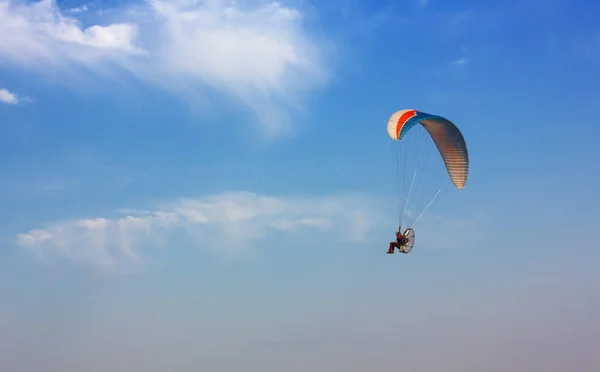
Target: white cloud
column 78, row 9
column 459, row 62
column 260, row 56
column 8, row 97
column 38, row 34
column 230, row 222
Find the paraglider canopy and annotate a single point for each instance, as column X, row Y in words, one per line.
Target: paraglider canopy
column 448, row 139
column 421, row 173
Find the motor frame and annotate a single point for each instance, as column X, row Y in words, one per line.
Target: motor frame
column 408, row 241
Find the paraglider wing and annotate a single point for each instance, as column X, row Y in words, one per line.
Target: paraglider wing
column 446, row 136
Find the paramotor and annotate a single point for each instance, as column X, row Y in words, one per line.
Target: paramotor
column 419, row 140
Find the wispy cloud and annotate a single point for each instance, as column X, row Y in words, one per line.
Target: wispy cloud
column 462, row 62
column 451, row 67
column 229, row 222
column 8, row 97
column 79, row 9
column 262, row 56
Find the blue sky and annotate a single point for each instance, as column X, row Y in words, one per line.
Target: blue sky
column 208, row 185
